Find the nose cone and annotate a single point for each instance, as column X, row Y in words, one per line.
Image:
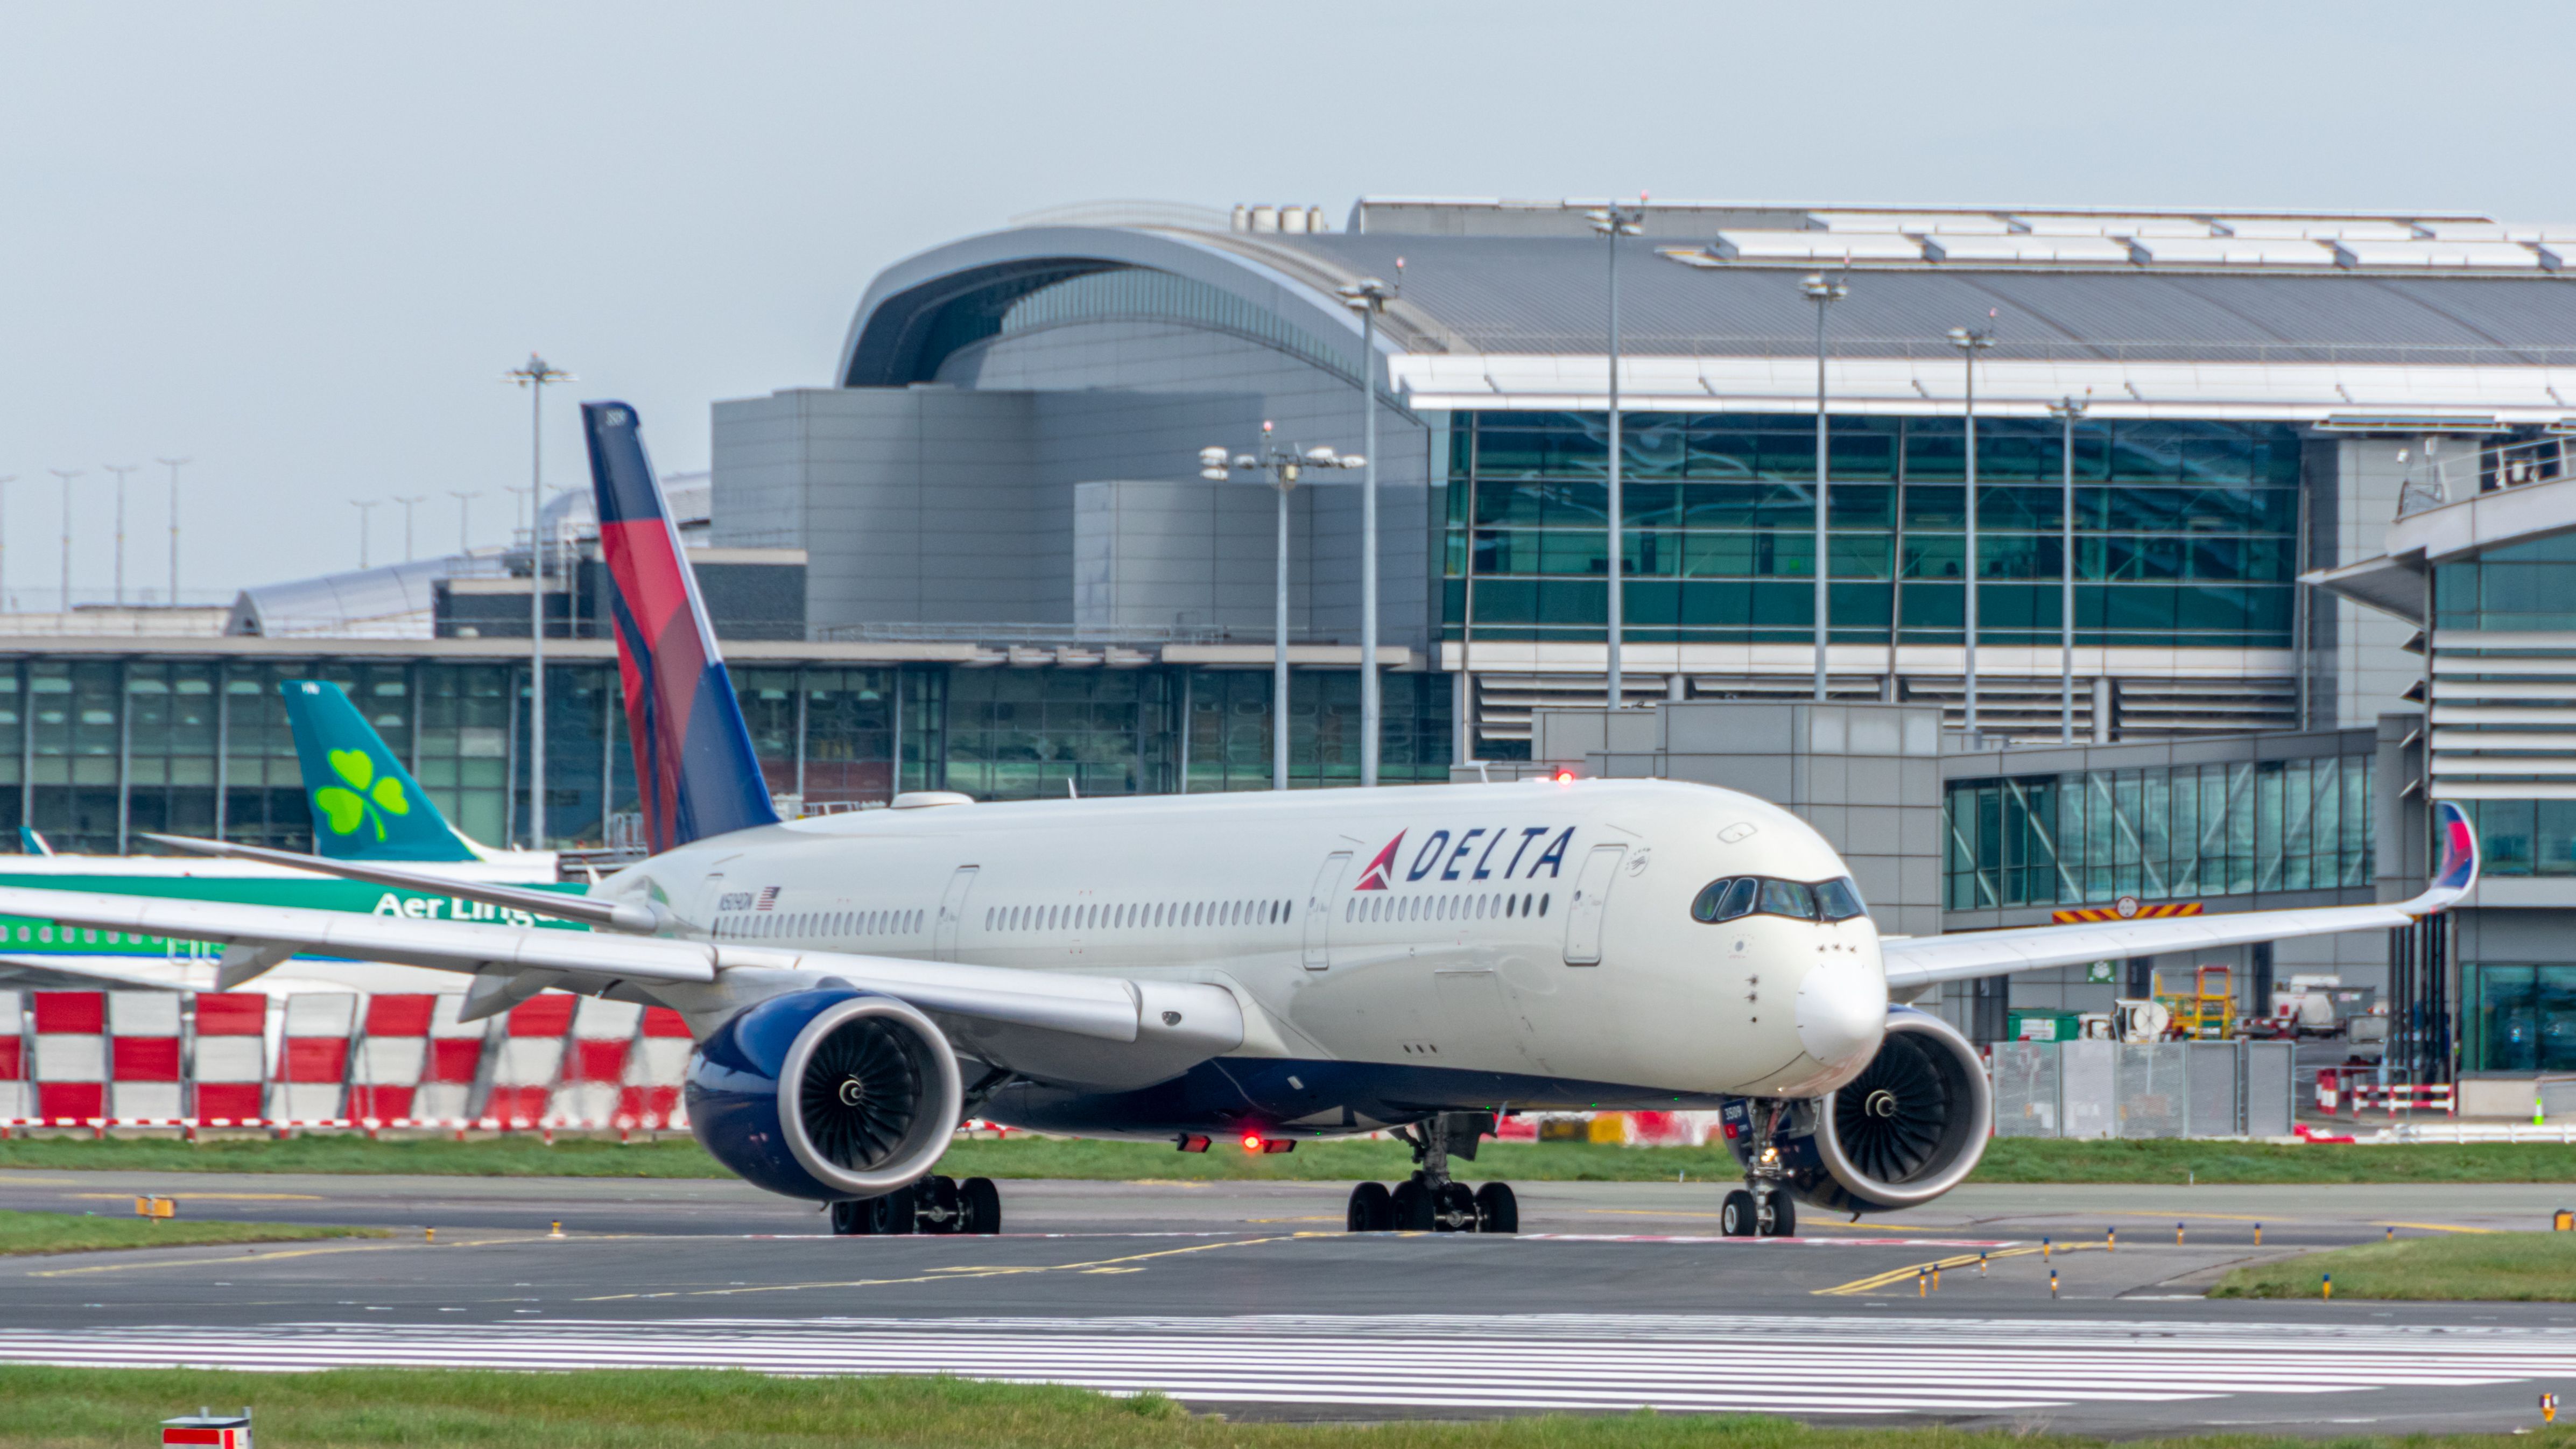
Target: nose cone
column 1842, row 1011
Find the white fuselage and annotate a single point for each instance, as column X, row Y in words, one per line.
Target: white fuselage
column 1541, row 930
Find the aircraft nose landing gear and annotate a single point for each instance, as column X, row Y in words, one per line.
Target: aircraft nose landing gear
column 1764, row 1206
column 1430, row 1201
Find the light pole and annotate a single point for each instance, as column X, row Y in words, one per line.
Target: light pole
column 1284, row 465
column 1612, row 222
column 1368, row 296
column 173, row 465
column 5, row 480
column 464, row 519
column 2066, row 413
column 534, row 375
column 1824, row 294
column 1970, row 343
column 120, row 470
column 408, row 504
column 67, row 475
column 366, row 521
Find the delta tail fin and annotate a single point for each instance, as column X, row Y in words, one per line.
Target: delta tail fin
column 366, row 806
column 694, row 767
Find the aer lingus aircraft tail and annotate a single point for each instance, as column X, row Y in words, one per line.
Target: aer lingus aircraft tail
column 366, row 806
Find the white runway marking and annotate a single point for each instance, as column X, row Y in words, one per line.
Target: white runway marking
column 1839, row 1365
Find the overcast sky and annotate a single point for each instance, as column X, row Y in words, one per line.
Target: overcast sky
column 301, row 243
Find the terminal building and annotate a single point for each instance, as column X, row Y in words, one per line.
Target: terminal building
column 2318, row 572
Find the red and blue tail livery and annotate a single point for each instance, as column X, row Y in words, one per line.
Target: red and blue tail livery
column 694, row 767
column 2455, row 860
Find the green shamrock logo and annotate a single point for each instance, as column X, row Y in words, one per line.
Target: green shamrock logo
column 347, row 809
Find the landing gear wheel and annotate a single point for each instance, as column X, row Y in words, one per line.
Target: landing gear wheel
column 935, row 1199
column 892, row 1213
column 1497, row 1209
column 1372, row 1209
column 1456, row 1211
column 1782, row 1220
column 981, row 1205
column 1413, row 1206
column 1735, row 1215
column 850, row 1219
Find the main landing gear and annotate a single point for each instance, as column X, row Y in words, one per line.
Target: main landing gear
column 1428, row 1201
column 932, row 1205
column 1764, row 1206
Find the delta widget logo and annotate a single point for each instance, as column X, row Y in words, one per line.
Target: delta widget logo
column 1477, row 854
column 367, row 801
column 1374, row 878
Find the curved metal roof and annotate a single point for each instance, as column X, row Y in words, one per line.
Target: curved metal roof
column 1525, row 295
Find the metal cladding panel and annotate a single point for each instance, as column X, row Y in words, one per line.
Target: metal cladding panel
column 2270, row 1078
column 2154, row 1098
column 1513, row 294
column 2209, row 1070
column 2026, row 1086
column 2088, row 1087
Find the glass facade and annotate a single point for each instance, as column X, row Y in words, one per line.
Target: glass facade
column 2185, row 531
column 94, row 753
column 2518, row 586
column 2513, row 588
column 2522, row 1019
column 2158, row 833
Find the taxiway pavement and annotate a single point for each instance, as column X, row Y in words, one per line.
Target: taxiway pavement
column 1250, row 1295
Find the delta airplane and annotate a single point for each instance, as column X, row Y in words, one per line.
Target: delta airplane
column 366, row 808
column 1268, row 967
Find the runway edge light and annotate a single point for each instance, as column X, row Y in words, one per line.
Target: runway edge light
column 208, row 1428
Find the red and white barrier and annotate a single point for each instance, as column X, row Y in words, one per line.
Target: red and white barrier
column 69, row 1056
column 149, row 1059
column 594, row 1063
column 532, row 1055
column 454, row 1066
column 654, row 1071
column 143, row 1056
column 312, row 1076
column 13, row 1055
column 228, row 1064
column 392, row 1056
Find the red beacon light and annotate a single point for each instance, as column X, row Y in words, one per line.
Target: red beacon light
column 1259, row 1145
column 1564, row 776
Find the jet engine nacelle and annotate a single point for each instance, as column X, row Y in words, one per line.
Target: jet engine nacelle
column 1909, row 1128
column 831, row 1094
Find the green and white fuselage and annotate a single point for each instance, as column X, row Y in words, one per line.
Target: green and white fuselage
column 366, row 807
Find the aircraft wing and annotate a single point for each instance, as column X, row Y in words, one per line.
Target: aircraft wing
column 1924, row 960
column 1009, row 1014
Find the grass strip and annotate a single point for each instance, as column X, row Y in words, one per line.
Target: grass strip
column 2008, row 1160
column 2461, row 1267
column 730, row 1409
column 81, row 1233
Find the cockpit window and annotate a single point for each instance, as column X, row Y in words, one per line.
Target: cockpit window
column 1788, row 898
column 1724, row 900
column 1839, row 900
column 1745, row 895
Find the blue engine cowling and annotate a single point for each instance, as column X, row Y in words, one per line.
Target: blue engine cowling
column 831, row 1094
column 1909, row 1128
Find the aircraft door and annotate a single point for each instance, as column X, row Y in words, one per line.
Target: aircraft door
column 1319, row 910
column 1591, row 895
column 952, row 911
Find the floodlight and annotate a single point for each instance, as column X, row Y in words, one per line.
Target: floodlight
column 1212, row 457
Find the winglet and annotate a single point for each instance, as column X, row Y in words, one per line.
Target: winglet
column 2455, row 859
